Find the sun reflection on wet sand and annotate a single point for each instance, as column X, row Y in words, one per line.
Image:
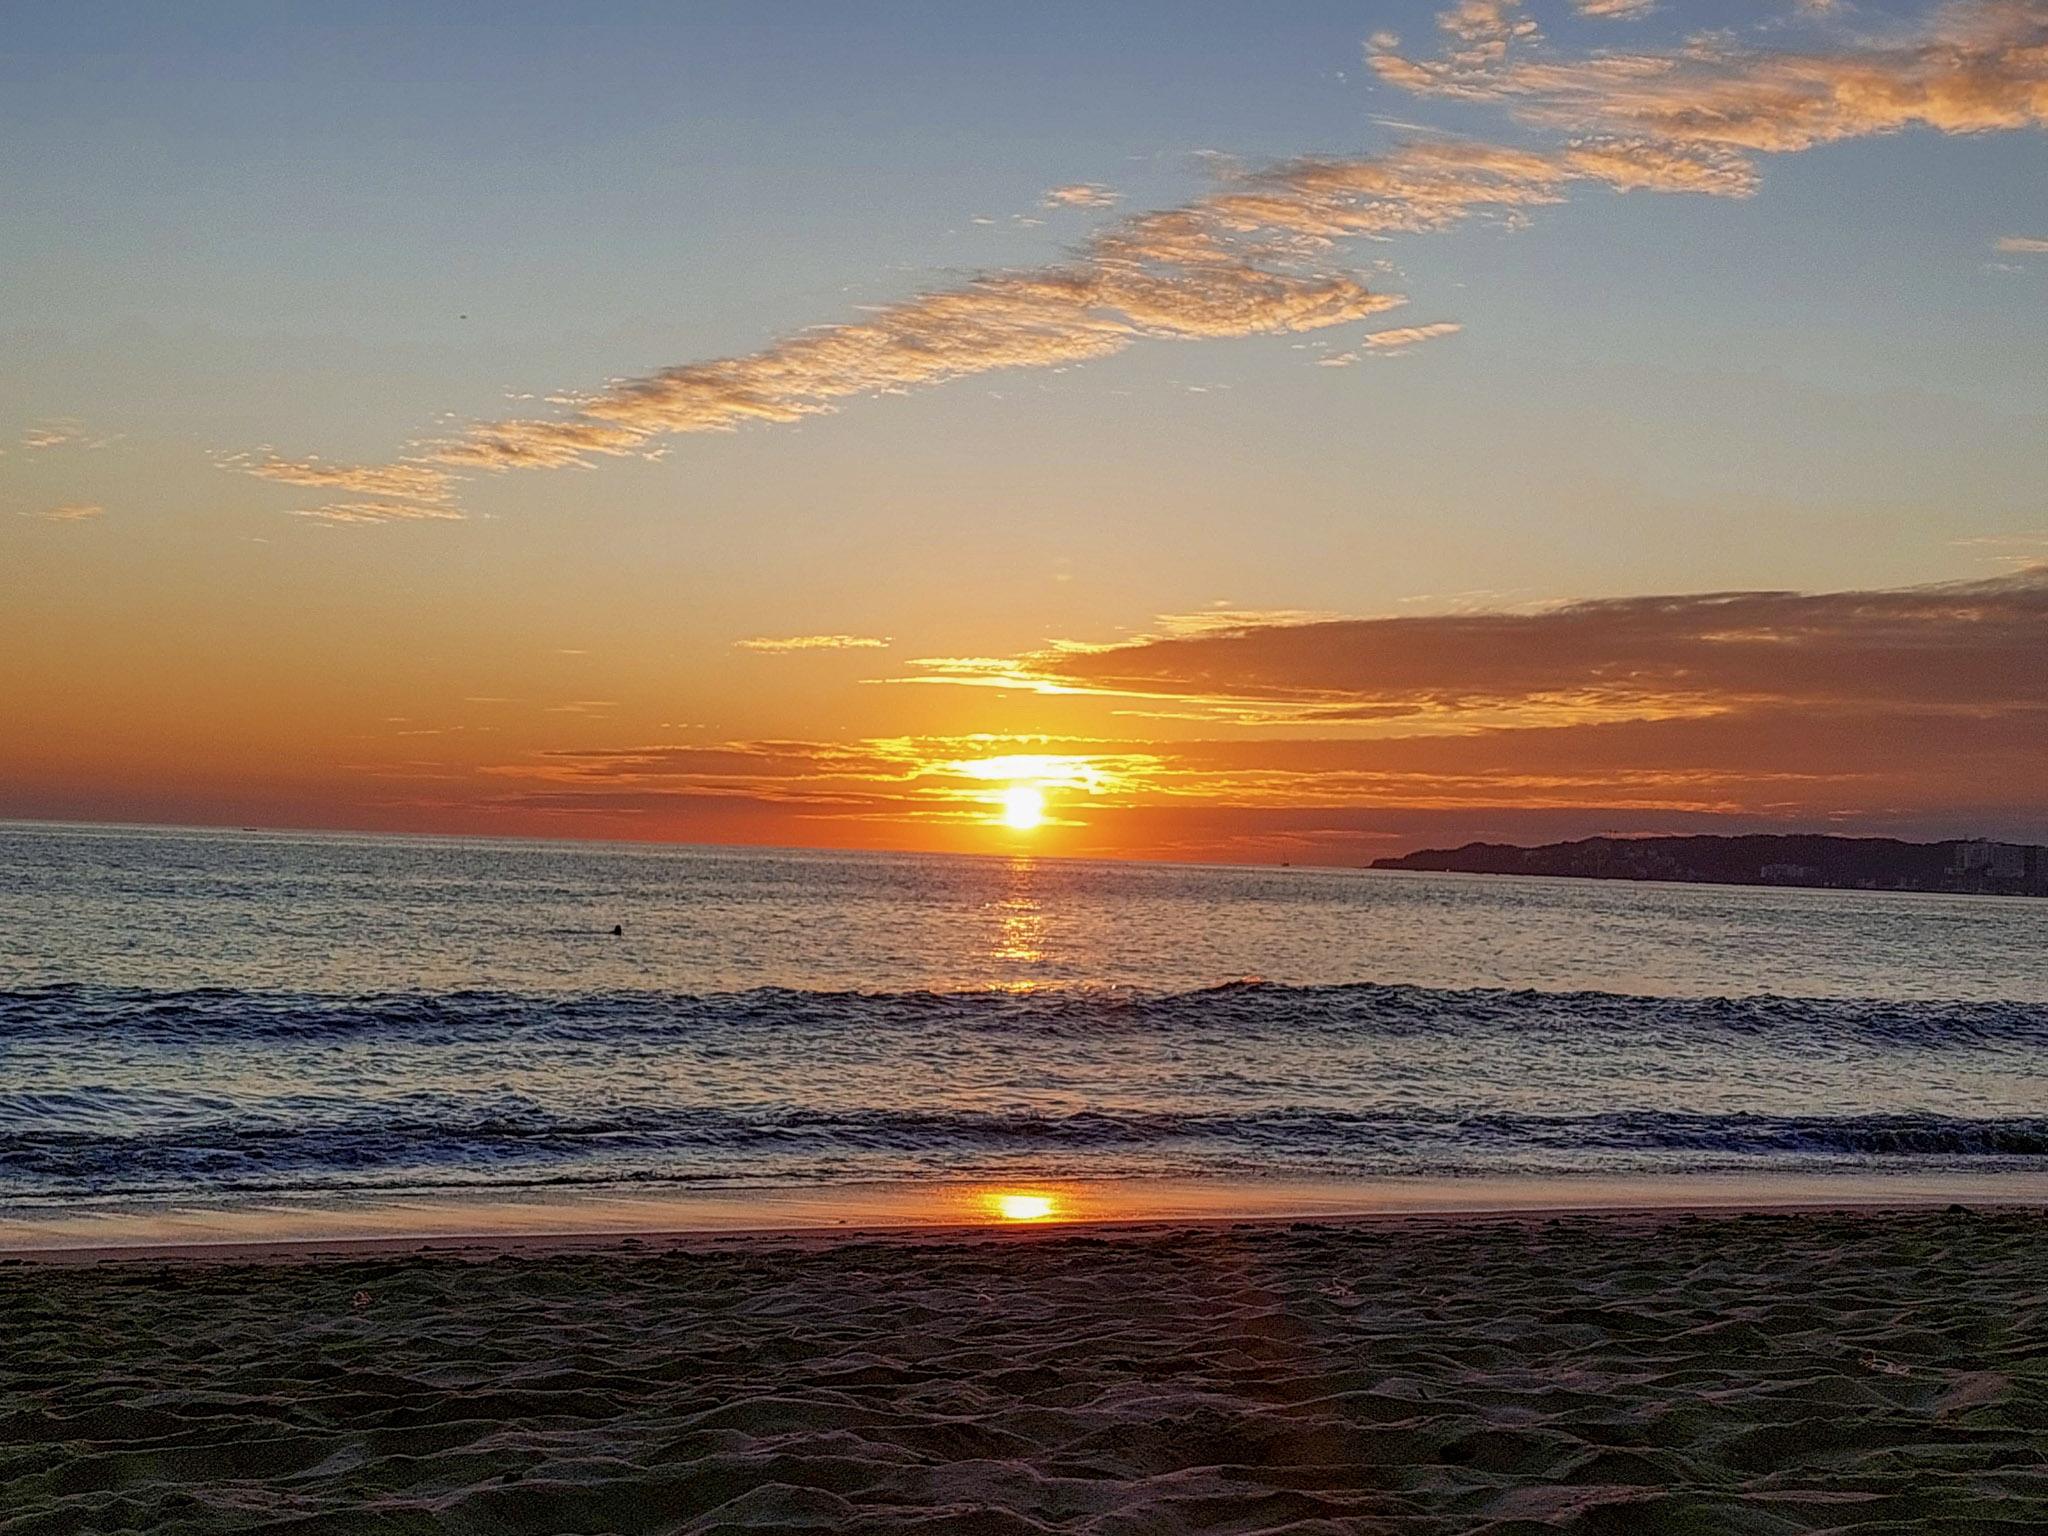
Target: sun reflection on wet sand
column 1015, row 1205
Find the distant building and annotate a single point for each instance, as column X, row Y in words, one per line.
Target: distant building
column 1973, row 866
column 1970, row 857
column 1789, row 874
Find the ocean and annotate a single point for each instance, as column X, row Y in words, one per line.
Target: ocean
column 196, row 1017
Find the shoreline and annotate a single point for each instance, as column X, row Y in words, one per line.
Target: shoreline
column 811, row 1218
column 484, row 1247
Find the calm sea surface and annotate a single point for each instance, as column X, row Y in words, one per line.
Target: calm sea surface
column 207, row 1015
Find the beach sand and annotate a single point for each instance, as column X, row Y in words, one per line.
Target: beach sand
column 1848, row 1372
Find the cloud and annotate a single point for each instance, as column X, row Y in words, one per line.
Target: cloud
column 2022, row 551
column 1264, row 253
column 1081, row 194
column 1410, row 335
column 779, row 645
column 373, row 493
column 1913, row 711
column 1962, row 646
column 63, row 432
column 376, row 512
column 902, row 780
column 1974, row 66
column 1224, row 617
column 1614, row 10
column 1257, row 258
column 1036, row 319
column 1392, row 342
column 69, row 512
column 1855, row 768
column 2023, row 244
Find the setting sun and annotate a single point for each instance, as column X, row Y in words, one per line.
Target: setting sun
column 1023, row 807
column 1024, row 1207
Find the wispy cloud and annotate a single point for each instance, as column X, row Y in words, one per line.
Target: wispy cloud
column 2023, row 551
column 1259, row 257
column 1081, row 194
column 1392, row 342
column 1264, row 253
column 1614, row 10
column 2029, row 245
column 911, row 779
column 63, row 432
column 69, row 512
column 371, row 493
column 776, row 645
column 1254, row 259
column 1971, row 67
column 1863, row 710
column 1410, row 335
column 1222, row 617
column 1874, row 761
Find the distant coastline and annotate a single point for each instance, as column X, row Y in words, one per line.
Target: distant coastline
column 1964, row 866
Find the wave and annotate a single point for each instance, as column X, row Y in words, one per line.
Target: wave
column 1250, row 1005
column 112, row 1091
column 444, row 1143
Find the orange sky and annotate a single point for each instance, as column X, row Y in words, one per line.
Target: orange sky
column 1553, row 421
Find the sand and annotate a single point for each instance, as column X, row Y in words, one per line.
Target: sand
column 1673, row 1374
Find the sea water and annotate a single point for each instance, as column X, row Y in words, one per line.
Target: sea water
column 197, row 1016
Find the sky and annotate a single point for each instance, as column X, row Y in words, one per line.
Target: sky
column 1187, row 431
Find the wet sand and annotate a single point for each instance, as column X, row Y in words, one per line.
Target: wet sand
column 1845, row 1372
column 545, row 1218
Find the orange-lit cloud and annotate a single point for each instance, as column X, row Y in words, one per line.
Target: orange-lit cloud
column 2023, row 245
column 1614, row 10
column 1974, row 66
column 1392, row 342
column 1254, row 259
column 1409, row 335
column 1264, row 254
column 779, row 645
column 1038, row 319
column 1259, row 257
column 1896, row 710
column 377, row 493
column 63, row 432
column 69, row 512
column 1853, row 767
column 901, row 782
column 1081, row 194
column 1953, row 646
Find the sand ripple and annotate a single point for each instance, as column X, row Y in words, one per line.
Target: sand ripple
column 1759, row 1374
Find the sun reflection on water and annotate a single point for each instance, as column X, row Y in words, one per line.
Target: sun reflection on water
column 1019, row 941
column 1022, row 935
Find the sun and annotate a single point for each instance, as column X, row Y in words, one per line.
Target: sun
column 1023, row 807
